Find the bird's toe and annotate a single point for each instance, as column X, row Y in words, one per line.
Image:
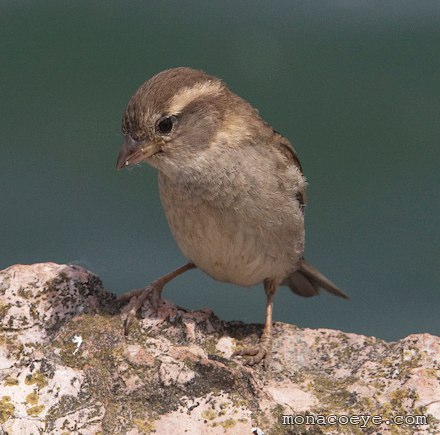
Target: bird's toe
column 254, row 355
column 150, row 295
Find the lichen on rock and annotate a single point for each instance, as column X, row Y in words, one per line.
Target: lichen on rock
column 67, row 367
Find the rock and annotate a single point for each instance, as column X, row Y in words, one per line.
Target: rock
column 66, row 367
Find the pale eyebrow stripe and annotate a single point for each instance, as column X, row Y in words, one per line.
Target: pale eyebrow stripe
column 188, row 94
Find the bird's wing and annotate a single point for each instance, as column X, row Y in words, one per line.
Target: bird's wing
column 291, row 157
column 286, row 148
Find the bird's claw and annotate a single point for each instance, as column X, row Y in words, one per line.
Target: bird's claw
column 254, row 355
column 137, row 299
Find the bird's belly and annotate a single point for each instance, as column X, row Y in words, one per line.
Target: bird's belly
column 235, row 254
column 231, row 246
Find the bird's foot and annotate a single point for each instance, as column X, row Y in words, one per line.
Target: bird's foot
column 254, row 355
column 137, row 299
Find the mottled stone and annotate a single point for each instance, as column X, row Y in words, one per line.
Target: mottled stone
column 67, row 367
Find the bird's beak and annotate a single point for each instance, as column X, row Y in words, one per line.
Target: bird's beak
column 133, row 151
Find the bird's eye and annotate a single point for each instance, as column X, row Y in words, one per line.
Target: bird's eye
column 165, row 124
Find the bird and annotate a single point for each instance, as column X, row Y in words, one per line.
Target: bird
column 232, row 189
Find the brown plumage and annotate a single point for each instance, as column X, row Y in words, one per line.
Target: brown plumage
column 232, row 189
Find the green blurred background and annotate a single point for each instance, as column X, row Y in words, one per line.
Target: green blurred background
column 354, row 84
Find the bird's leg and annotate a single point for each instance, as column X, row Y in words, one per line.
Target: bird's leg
column 152, row 293
column 253, row 355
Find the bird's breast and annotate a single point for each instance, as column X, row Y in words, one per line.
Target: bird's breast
column 226, row 232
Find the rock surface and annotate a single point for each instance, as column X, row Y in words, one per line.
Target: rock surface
column 67, row 368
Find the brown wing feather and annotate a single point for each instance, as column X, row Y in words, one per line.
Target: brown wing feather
column 291, row 157
column 287, row 149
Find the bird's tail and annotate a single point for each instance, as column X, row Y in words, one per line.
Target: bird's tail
column 306, row 281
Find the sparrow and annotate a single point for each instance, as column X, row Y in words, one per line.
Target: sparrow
column 232, row 189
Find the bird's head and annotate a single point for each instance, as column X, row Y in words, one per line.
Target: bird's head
column 173, row 116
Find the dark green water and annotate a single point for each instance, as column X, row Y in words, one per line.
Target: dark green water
column 355, row 85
